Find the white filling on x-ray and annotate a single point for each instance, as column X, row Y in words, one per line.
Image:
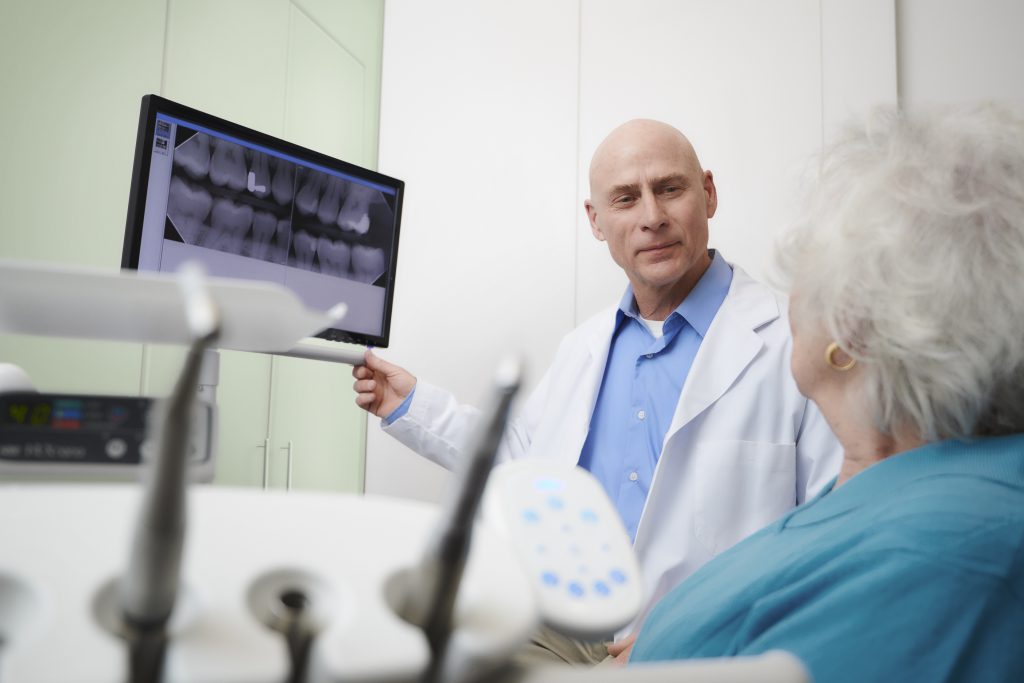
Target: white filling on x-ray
column 258, row 180
column 354, row 213
column 251, row 184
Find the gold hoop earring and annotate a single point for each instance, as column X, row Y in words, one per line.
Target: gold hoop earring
column 830, row 351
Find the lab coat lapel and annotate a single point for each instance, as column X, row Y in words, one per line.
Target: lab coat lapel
column 729, row 347
column 576, row 392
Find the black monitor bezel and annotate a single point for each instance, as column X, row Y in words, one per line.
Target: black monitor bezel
column 154, row 104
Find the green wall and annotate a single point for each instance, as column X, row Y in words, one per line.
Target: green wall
column 304, row 70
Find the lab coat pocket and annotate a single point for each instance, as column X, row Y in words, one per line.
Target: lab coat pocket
column 742, row 486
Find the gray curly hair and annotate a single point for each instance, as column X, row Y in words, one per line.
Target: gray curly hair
column 910, row 254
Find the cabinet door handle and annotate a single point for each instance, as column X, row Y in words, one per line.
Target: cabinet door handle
column 266, row 462
column 288, row 470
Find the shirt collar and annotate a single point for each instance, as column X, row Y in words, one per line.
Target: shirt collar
column 701, row 304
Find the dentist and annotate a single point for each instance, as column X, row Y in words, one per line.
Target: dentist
column 679, row 399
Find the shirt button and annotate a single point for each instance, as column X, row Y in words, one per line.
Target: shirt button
column 650, row 355
column 633, row 476
column 640, row 414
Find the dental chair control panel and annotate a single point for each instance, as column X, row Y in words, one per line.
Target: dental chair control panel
column 91, row 435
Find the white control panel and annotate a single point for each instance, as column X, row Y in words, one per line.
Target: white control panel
column 572, row 544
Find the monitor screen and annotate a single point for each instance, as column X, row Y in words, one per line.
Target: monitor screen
column 249, row 205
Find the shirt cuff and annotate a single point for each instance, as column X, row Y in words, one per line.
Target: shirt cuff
column 401, row 410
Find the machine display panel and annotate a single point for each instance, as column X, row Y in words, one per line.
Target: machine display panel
column 248, row 205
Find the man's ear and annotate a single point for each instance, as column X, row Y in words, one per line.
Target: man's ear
column 710, row 193
column 592, row 215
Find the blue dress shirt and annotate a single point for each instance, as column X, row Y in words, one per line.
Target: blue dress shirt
column 642, row 380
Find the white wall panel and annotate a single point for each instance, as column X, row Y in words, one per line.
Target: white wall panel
column 960, row 51
column 858, row 60
column 478, row 116
column 742, row 79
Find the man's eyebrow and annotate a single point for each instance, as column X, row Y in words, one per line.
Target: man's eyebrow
column 671, row 179
column 634, row 188
column 627, row 188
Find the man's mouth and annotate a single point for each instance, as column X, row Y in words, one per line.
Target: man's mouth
column 657, row 249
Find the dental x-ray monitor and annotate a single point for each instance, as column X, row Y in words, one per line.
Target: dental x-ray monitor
column 248, row 205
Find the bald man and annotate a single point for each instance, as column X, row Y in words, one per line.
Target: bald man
column 678, row 399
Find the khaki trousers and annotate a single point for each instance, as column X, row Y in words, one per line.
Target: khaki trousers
column 551, row 647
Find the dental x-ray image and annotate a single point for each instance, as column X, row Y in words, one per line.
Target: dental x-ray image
column 238, row 200
column 341, row 227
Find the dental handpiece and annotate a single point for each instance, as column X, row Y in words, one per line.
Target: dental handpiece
column 149, row 587
column 434, row 585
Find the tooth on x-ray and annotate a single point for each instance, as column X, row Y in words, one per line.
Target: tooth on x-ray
column 229, row 222
column 278, row 251
column 367, row 263
column 334, row 256
column 283, row 184
column 305, row 249
column 227, row 165
column 309, row 194
column 188, row 207
column 330, row 203
column 193, row 155
column 355, row 212
column 258, row 180
column 264, row 225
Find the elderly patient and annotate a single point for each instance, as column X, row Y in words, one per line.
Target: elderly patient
column 908, row 332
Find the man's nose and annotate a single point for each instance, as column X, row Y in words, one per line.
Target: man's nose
column 652, row 213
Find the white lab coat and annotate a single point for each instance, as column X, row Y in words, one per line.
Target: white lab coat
column 744, row 445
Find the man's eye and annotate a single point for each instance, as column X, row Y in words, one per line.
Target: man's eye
column 671, row 189
column 624, row 199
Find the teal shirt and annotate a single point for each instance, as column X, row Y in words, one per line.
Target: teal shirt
column 911, row 570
